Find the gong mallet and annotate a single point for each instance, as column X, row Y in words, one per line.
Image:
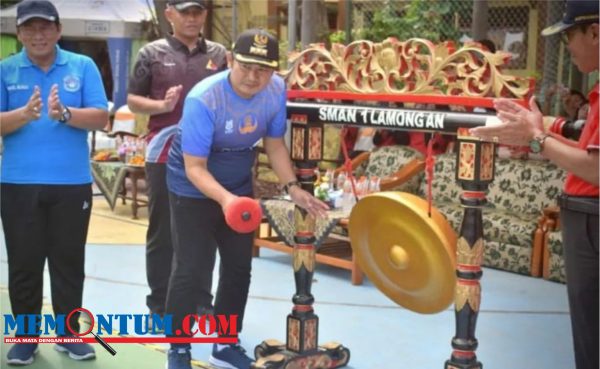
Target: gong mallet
column 243, row 215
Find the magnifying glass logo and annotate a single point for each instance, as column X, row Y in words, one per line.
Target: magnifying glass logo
column 106, row 346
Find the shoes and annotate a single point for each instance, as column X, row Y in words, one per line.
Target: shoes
column 21, row 354
column 230, row 357
column 76, row 351
column 179, row 358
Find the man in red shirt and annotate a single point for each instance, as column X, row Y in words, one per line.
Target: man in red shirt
column 579, row 202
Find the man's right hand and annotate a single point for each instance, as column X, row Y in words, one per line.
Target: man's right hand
column 171, row 98
column 33, row 109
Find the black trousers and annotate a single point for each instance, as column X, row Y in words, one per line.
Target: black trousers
column 199, row 230
column 46, row 222
column 159, row 250
column 580, row 243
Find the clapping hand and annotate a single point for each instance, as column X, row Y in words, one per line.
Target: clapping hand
column 519, row 125
column 171, row 98
column 33, row 108
column 55, row 107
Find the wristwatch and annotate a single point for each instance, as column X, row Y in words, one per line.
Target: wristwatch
column 536, row 145
column 66, row 115
column 289, row 185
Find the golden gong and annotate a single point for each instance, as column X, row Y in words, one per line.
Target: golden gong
column 408, row 255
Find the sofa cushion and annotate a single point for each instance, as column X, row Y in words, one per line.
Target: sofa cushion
column 507, row 257
column 508, row 227
column 386, row 160
column 525, row 186
column 444, row 187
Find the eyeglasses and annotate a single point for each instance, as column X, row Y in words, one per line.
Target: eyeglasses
column 567, row 35
column 45, row 30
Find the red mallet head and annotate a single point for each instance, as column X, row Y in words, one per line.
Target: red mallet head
column 243, row 215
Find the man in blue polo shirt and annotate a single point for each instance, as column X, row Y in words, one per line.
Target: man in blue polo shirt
column 209, row 167
column 49, row 99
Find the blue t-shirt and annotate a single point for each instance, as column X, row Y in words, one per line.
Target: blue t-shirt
column 220, row 125
column 45, row 151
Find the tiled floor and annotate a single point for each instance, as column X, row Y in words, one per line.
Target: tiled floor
column 523, row 322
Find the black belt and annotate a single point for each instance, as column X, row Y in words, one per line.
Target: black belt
column 588, row 205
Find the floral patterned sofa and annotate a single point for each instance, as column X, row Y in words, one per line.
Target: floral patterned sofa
column 520, row 191
column 553, row 263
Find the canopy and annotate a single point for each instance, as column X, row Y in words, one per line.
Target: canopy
column 93, row 18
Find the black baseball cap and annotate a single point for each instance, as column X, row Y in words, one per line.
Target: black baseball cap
column 576, row 12
column 184, row 4
column 30, row 9
column 257, row 46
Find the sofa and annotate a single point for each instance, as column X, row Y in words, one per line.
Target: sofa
column 512, row 219
column 520, row 191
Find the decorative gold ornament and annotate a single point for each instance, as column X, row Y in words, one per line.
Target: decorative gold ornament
column 414, row 66
column 304, row 256
column 468, row 293
column 469, row 255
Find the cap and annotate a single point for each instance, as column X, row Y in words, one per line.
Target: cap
column 184, row 4
column 30, row 9
column 257, row 46
column 576, row 12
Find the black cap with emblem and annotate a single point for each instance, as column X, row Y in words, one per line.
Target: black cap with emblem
column 257, row 46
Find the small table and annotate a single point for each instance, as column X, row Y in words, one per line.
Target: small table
column 110, row 178
column 332, row 249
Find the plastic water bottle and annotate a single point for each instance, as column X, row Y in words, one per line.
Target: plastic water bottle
column 339, row 183
column 348, row 199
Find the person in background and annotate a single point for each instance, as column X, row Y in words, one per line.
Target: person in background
column 572, row 100
column 579, row 203
column 163, row 74
column 49, row 99
column 209, row 167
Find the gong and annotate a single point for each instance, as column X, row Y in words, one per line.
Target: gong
column 407, row 254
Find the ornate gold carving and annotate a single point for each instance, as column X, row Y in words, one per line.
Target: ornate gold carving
column 298, row 143
column 469, row 255
column 415, row 66
column 293, row 341
column 487, row 161
column 304, row 257
column 466, row 162
column 310, row 334
column 315, row 138
column 318, row 360
column 303, row 221
column 468, row 293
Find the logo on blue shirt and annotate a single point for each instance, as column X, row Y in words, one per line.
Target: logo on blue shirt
column 248, row 125
column 71, row 83
column 229, row 127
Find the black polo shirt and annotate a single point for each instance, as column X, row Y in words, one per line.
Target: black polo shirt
column 167, row 62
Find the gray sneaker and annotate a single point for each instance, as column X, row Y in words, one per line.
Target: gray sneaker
column 77, row 351
column 22, row 354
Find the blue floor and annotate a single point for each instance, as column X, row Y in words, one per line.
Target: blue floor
column 523, row 322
